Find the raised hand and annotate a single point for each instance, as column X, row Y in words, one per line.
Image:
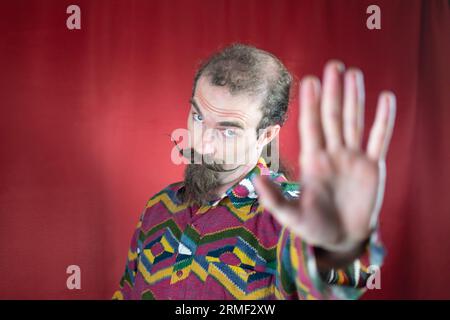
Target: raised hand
column 342, row 185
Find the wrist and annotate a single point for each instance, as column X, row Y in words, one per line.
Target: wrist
column 339, row 257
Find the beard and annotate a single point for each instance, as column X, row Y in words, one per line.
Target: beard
column 201, row 180
column 200, row 183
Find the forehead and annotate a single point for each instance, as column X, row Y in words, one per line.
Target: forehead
column 220, row 104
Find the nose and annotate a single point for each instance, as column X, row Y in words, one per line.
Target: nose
column 206, row 143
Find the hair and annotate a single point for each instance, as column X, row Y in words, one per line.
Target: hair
column 244, row 69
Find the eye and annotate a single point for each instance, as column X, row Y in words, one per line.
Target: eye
column 197, row 117
column 229, row 133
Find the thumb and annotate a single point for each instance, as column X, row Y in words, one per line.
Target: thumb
column 270, row 196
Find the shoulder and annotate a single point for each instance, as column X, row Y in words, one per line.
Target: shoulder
column 168, row 193
column 164, row 202
column 168, row 196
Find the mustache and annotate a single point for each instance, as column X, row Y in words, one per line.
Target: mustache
column 205, row 160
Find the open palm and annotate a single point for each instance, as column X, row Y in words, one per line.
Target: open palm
column 342, row 185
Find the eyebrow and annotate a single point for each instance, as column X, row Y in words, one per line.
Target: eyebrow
column 233, row 124
column 195, row 105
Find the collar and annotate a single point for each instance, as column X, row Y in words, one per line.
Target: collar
column 243, row 193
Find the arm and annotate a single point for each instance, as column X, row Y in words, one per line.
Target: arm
column 126, row 284
column 342, row 184
column 299, row 276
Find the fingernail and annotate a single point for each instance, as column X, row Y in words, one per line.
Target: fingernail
column 339, row 65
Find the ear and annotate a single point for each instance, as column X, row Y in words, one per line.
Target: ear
column 268, row 134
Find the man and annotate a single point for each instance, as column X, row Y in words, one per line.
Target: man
column 237, row 230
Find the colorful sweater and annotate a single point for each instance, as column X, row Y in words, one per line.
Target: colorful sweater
column 230, row 249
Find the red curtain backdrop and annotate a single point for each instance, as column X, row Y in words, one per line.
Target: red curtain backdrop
column 86, row 114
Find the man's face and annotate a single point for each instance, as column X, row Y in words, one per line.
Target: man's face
column 222, row 129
